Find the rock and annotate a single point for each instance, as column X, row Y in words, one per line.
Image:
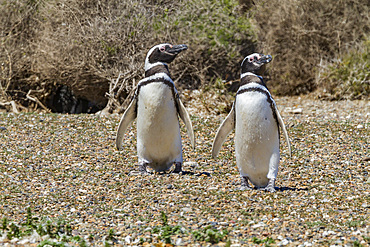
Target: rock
column 294, row 110
column 179, row 241
column 297, row 111
column 128, row 239
column 260, row 224
column 186, row 209
column 284, row 242
column 191, row 164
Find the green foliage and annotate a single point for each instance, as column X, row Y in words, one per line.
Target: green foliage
column 302, row 35
column 266, row 241
column 14, row 231
column 58, row 230
column 111, row 236
column 357, row 244
column 166, row 231
column 218, row 33
column 349, row 76
column 218, row 23
column 210, row 234
column 355, row 223
column 164, row 218
column 4, row 224
column 48, row 242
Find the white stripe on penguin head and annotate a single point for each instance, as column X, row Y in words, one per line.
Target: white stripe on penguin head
column 149, row 65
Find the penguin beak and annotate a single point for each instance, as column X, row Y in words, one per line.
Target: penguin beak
column 176, row 49
column 265, row 59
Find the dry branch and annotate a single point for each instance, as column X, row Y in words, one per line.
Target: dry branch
column 14, row 107
column 35, row 99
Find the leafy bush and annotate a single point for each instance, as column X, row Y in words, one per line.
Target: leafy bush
column 80, row 56
column 219, row 37
column 301, row 34
column 71, row 52
column 349, row 76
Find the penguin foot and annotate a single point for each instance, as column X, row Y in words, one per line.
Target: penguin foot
column 178, row 167
column 270, row 186
column 245, row 183
column 142, row 168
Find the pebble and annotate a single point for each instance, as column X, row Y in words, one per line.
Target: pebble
column 260, row 224
column 284, row 242
column 186, row 209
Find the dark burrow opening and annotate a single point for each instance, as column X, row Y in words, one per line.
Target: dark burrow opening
column 63, row 100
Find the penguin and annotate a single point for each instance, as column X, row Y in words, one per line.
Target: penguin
column 156, row 106
column 256, row 120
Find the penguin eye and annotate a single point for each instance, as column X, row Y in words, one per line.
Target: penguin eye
column 251, row 59
column 162, row 48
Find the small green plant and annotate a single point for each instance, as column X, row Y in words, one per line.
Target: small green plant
column 59, row 230
column 357, row 244
column 367, row 239
column 267, row 241
column 48, row 242
column 165, row 230
column 355, row 223
column 210, row 234
column 4, row 224
column 14, row 231
column 164, row 218
column 110, row 239
column 110, row 236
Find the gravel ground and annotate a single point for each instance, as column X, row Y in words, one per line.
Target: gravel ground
column 66, row 167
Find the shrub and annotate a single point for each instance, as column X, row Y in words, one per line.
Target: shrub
column 347, row 77
column 301, row 34
column 71, row 53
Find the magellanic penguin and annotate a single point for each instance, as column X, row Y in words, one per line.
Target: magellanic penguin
column 256, row 120
column 156, row 105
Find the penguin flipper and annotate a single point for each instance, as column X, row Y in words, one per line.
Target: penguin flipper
column 127, row 118
column 282, row 125
column 226, row 127
column 184, row 115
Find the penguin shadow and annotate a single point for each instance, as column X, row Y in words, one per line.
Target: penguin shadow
column 290, row 189
column 277, row 189
column 197, row 174
column 168, row 173
column 183, row 173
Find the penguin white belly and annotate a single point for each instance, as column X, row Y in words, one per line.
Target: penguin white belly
column 158, row 138
column 256, row 138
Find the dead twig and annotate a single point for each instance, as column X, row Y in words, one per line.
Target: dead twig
column 12, row 104
column 33, row 98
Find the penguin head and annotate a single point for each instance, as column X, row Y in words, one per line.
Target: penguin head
column 255, row 62
column 162, row 54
